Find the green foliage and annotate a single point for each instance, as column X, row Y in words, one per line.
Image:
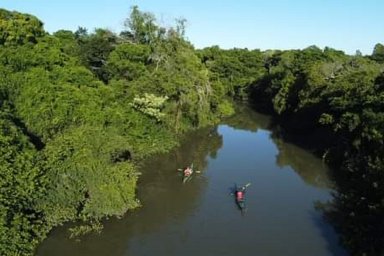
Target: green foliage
column 326, row 119
column 236, row 68
column 86, row 135
column 160, row 61
column 128, row 61
column 280, row 101
column 225, row 108
column 87, row 181
column 150, row 105
column 79, row 110
column 142, row 26
column 94, row 50
column 185, row 81
column 357, row 209
column 20, row 185
column 378, row 53
column 17, row 28
column 48, row 103
column 46, row 54
column 342, row 97
column 68, row 42
column 82, row 230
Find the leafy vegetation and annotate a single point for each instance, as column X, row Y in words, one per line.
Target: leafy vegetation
column 79, row 110
column 339, row 99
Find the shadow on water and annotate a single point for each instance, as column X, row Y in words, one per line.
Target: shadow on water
column 314, row 172
column 356, row 211
column 329, row 234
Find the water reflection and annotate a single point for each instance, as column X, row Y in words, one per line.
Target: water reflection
column 248, row 120
column 314, row 172
column 310, row 168
column 166, row 201
column 201, row 218
column 357, row 209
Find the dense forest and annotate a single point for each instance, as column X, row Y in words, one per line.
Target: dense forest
column 331, row 103
column 80, row 110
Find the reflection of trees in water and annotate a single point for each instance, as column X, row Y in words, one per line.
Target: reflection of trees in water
column 357, row 209
column 160, row 187
column 248, row 119
column 165, row 199
column 310, row 168
column 194, row 148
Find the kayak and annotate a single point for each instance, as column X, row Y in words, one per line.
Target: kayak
column 186, row 178
column 240, row 203
column 240, row 200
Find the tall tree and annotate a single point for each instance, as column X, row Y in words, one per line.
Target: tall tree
column 141, row 26
column 378, row 53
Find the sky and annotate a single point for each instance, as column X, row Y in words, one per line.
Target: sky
column 346, row 25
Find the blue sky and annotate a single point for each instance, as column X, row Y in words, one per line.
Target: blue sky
column 346, row 25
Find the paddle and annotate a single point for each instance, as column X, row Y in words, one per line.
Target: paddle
column 181, row 170
column 245, row 186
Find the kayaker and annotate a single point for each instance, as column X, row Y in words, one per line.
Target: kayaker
column 240, row 193
column 187, row 171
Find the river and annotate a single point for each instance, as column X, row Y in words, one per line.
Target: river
column 201, row 218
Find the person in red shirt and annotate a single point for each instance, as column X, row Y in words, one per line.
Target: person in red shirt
column 240, row 193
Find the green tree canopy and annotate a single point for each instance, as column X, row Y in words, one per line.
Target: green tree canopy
column 378, row 53
column 17, row 28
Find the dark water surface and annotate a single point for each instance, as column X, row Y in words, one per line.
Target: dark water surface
column 201, row 218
